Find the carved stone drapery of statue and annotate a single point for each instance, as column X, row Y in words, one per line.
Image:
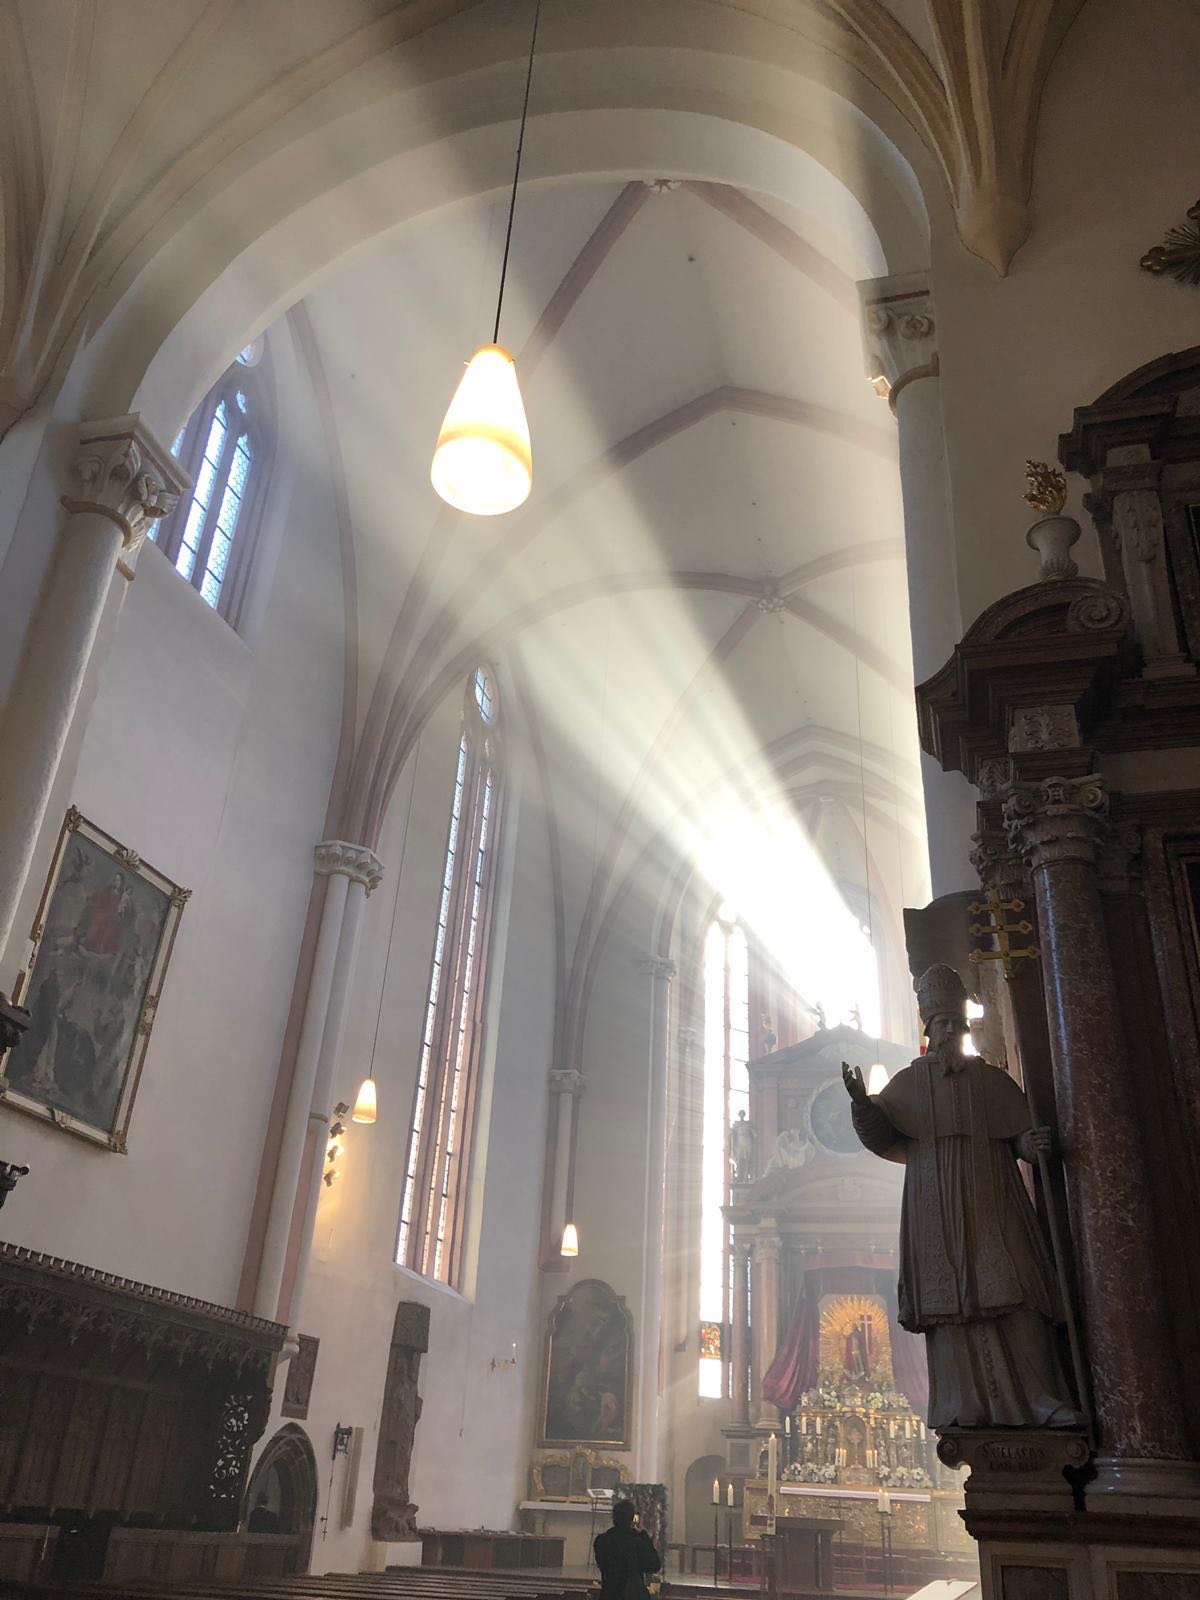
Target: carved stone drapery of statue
column 393, row 1516
column 743, row 1141
column 976, row 1277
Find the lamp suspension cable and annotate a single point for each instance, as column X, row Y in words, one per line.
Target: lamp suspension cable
column 875, row 1073
column 512, row 199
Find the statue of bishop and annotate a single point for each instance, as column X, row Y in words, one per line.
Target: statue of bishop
column 975, row 1275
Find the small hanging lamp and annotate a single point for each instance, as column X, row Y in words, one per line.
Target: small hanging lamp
column 366, row 1107
column 483, row 462
column 570, row 1241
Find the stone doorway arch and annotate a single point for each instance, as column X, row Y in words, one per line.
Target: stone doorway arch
column 286, row 1473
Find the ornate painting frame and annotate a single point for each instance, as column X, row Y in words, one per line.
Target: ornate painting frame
column 114, row 940
column 569, row 1359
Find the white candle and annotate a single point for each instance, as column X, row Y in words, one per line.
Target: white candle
column 787, row 1426
column 885, row 1503
column 716, row 1491
column 922, row 1427
column 729, row 1495
column 818, row 1424
column 772, row 1459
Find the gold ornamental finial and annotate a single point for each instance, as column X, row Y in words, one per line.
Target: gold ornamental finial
column 1047, row 491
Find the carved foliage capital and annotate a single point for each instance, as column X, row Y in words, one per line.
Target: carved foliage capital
column 124, row 475
column 658, row 967
column 898, row 325
column 1057, row 819
column 354, row 861
column 566, row 1080
column 767, row 1249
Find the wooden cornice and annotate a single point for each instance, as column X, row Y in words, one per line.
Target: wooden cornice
column 116, row 1310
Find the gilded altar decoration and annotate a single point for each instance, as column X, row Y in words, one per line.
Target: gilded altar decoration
column 1179, row 254
column 588, row 1362
column 102, row 940
column 1047, row 491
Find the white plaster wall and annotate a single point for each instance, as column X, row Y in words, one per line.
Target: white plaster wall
column 1075, row 312
column 213, row 761
column 470, row 1455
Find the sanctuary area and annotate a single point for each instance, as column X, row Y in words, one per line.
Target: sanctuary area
column 599, row 799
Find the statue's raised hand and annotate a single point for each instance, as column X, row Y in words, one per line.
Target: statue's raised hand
column 855, row 1087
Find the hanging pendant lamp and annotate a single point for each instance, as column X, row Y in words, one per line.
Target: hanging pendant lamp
column 483, row 463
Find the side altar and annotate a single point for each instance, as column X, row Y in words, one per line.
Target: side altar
column 816, row 1356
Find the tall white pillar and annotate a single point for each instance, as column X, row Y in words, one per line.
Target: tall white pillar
column 353, row 871
column 125, row 481
column 660, row 971
column 567, row 1086
column 900, row 331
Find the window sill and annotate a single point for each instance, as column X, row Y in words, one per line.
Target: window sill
column 433, row 1284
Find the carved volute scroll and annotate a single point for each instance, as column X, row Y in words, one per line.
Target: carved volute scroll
column 393, row 1516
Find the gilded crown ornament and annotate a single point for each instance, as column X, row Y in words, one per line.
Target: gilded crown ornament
column 1047, row 491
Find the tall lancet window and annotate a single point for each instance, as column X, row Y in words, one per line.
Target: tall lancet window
column 437, row 1167
column 726, row 1092
column 224, row 448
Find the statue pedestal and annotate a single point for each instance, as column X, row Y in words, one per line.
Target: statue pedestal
column 1040, row 1535
column 1015, row 1469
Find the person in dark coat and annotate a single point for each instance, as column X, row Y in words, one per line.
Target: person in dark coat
column 624, row 1553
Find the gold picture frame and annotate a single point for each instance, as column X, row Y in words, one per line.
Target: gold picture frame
column 101, row 943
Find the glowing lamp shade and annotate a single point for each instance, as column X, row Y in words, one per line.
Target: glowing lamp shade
column 570, row 1241
column 483, row 462
column 366, row 1107
column 877, row 1078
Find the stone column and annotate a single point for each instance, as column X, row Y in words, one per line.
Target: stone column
column 739, row 1341
column 567, row 1086
column 765, row 1321
column 900, row 333
column 1058, row 824
column 353, row 872
column 124, row 481
column 660, row 971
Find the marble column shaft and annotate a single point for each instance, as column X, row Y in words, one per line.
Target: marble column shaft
column 739, row 1342
column 765, row 1325
column 123, row 482
column 1058, row 824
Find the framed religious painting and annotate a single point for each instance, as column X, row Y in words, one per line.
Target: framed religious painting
column 101, row 944
column 589, row 1347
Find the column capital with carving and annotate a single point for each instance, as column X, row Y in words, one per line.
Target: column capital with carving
column 354, row 861
column 1057, row 819
column 767, row 1248
column 899, row 331
column 658, row 967
column 126, row 476
column 566, row 1080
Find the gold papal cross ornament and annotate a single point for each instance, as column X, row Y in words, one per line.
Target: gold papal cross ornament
column 1000, row 929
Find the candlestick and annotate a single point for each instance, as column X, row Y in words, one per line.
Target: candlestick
column 716, row 1492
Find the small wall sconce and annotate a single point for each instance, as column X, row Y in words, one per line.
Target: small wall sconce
column 503, row 1363
column 341, row 1440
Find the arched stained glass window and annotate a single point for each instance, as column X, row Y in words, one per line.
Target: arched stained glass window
column 437, row 1165
column 224, row 448
column 726, row 1092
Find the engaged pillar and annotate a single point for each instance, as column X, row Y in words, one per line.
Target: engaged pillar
column 765, row 1320
column 124, row 481
column 900, row 334
column 660, row 970
column 353, row 871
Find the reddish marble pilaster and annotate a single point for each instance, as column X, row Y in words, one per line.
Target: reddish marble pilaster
column 1058, row 824
column 765, row 1301
column 739, row 1342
